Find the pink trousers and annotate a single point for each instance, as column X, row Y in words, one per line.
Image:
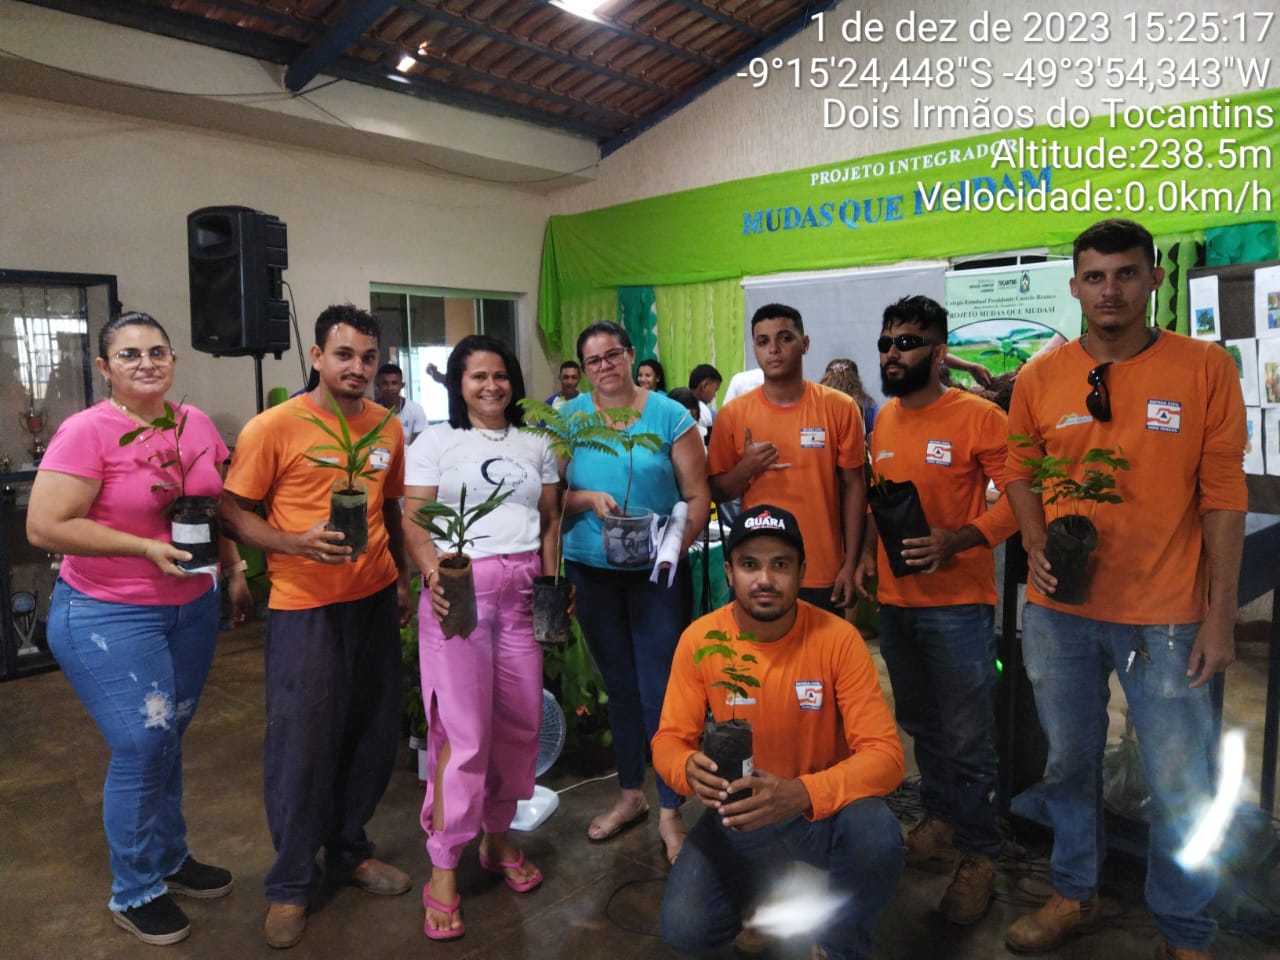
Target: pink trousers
column 483, row 696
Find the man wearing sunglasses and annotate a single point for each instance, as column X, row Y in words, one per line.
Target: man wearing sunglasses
column 800, row 445
column 937, row 631
column 1161, row 599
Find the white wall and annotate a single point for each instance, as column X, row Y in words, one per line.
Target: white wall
column 92, row 192
column 737, row 131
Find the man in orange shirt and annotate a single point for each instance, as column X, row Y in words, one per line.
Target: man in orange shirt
column 801, row 445
column 333, row 674
column 1160, row 603
column 825, row 752
column 937, row 626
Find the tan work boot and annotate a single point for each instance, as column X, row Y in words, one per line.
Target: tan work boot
column 927, row 840
column 374, row 876
column 285, row 925
column 1167, row 951
column 972, row 885
column 1056, row 921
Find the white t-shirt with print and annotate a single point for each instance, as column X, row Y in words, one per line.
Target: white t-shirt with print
column 446, row 458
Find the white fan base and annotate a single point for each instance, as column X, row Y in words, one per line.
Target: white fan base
column 533, row 813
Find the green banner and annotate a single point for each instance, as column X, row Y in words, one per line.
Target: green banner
column 1175, row 168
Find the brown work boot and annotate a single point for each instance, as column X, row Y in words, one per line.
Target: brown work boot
column 285, row 925
column 1167, row 951
column 374, row 876
column 1056, row 921
column 972, row 885
column 928, row 840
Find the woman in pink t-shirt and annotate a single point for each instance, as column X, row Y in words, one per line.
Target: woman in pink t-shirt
column 134, row 633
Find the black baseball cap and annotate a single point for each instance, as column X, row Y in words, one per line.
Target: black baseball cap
column 765, row 520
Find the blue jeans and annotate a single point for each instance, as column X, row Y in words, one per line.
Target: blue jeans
column 631, row 627
column 723, row 873
column 139, row 671
column 942, row 665
column 1069, row 660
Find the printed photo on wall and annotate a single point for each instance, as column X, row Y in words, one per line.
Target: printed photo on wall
column 1254, row 461
column 1271, row 440
column 1266, row 302
column 1269, row 372
column 1204, row 308
column 1245, row 354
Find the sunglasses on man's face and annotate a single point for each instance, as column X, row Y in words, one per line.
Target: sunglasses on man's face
column 1099, row 399
column 904, row 342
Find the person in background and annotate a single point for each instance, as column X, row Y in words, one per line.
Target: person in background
column 570, row 377
column 1160, row 604
column 630, row 623
column 842, row 375
column 824, row 754
column 333, row 672
column 650, row 375
column 134, row 633
column 482, row 692
column 704, row 381
column 388, row 384
column 684, row 396
column 937, row 629
column 798, row 444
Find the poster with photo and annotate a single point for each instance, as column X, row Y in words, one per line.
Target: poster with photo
column 1254, row 462
column 1266, row 302
column 1269, row 372
column 1271, row 439
column 1245, row 354
column 1204, row 308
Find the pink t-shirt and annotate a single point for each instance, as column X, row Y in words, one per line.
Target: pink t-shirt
column 87, row 445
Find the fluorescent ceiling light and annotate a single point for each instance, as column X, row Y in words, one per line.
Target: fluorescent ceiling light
column 398, row 78
column 581, row 8
column 406, row 63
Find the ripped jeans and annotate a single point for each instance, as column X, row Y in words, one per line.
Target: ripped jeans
column 139, row 671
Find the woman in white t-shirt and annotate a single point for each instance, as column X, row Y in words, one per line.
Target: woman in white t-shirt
column 482, row 692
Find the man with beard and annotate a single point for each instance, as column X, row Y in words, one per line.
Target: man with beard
column 570, row 376
column 1160, row 604
column 937, row 628
column 333, row 675
column 801, row 445
column 825, row 753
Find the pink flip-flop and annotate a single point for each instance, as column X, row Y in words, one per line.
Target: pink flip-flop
column 450, row 932
column 519, row 886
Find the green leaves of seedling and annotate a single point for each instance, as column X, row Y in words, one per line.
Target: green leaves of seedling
column 737, row 671
column 168, row 422
column 353, row 457
column 445, row 523
column 1052, row 475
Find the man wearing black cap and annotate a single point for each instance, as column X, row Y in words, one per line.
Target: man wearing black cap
column 825, row 752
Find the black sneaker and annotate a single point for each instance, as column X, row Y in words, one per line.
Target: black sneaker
column 157, row 922
column 199, row 880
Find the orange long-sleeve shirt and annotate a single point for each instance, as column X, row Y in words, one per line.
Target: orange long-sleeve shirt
column 1178, row 416
column 819, row 714
column 949, row 449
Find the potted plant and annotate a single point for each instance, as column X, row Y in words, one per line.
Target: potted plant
column 567, row 435
column 451, row 526
column 728, row 742
column 1072, row 535
column 193, row 520
column 630, row 539
column 899, row 516
column 349, row 500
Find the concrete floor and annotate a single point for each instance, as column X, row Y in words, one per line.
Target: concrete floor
column 598, row 901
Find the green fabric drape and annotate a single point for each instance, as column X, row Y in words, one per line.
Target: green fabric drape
column 700, row 323
column 1178, row 254
column 636, row 316
column 1244, row 243
column 577, row 313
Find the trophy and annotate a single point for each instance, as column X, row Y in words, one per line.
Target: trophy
column 23, row 607
column 32, row 421
column 6, row 468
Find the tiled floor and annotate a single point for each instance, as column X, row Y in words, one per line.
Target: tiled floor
column 599, row 901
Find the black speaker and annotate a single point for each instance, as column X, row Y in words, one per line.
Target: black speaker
column 235, row 257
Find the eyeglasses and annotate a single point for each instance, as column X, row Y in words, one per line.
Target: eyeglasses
column 609, row 358
column 1099, row 399
column 131, row 357
column 904, row 342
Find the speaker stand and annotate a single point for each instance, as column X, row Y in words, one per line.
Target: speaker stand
column 257, row 380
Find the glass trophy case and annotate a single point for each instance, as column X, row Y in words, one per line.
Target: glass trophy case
column 48, row 323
